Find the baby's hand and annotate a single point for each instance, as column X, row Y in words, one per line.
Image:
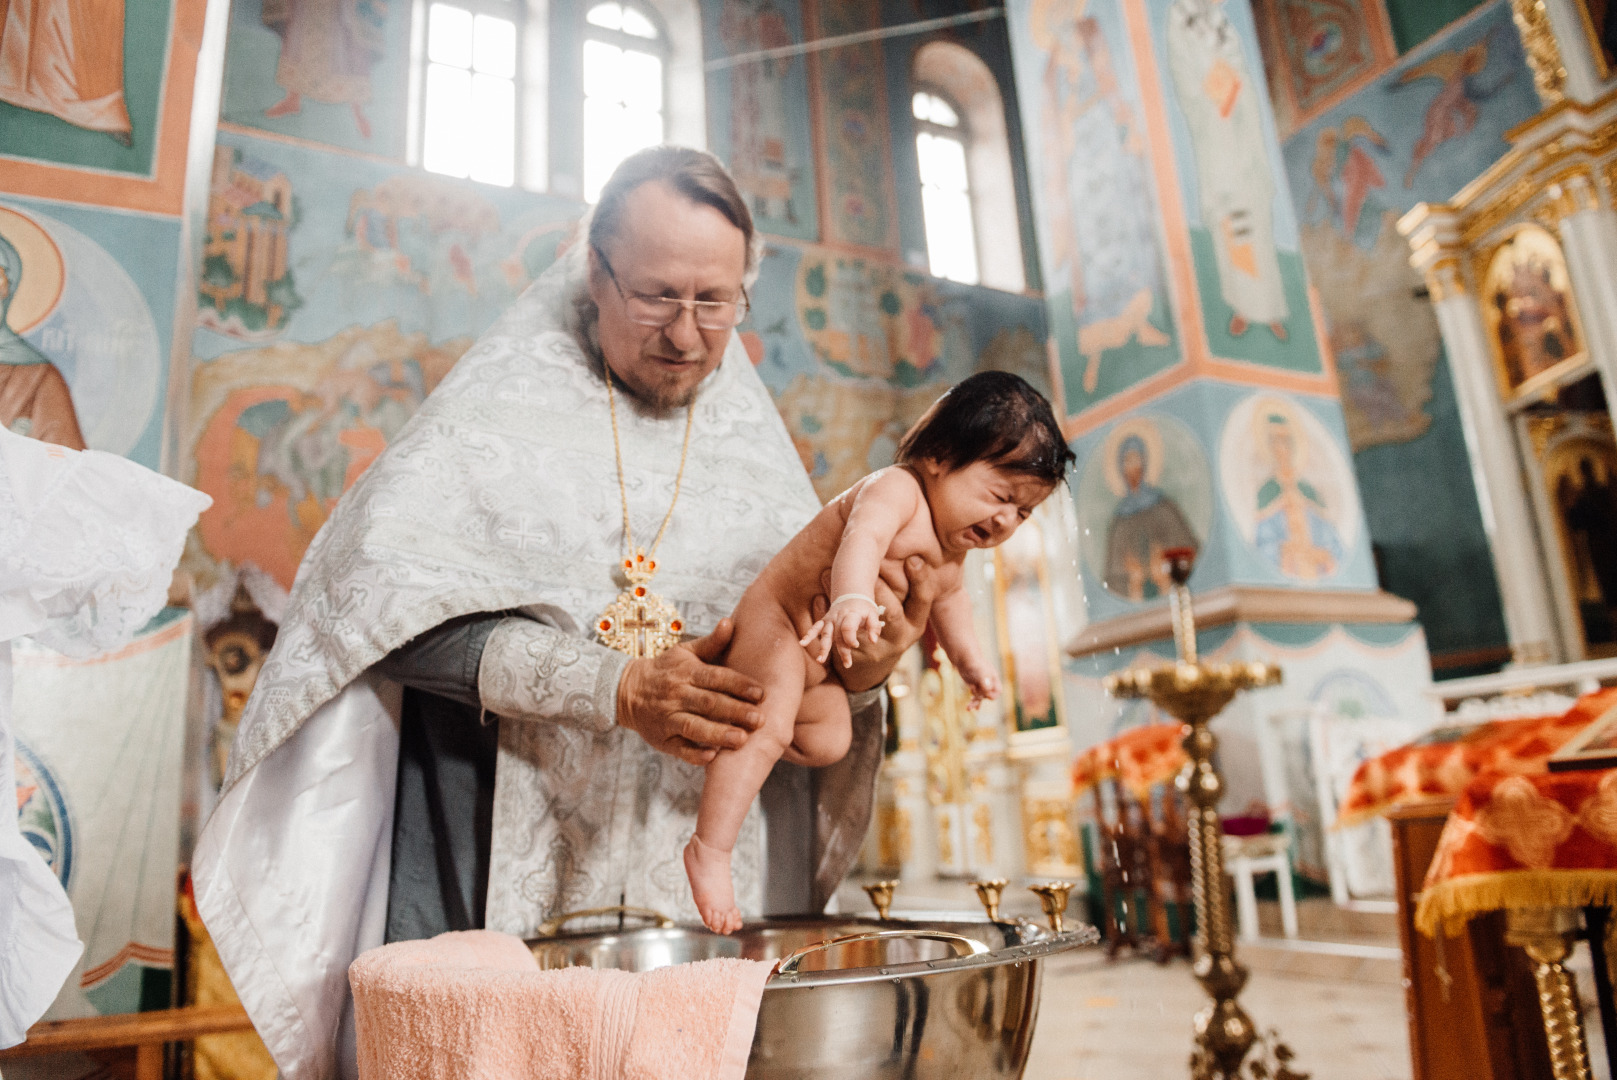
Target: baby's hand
column 850, row 615
column 983, row 682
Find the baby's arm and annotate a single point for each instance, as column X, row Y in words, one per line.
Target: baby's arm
column 952, row 622
column 884, row 505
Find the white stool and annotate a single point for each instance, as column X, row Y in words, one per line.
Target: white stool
column 1266, row 853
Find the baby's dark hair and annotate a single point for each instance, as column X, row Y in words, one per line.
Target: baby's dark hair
column 996, row 417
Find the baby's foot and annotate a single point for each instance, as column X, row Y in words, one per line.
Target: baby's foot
column 709, row 871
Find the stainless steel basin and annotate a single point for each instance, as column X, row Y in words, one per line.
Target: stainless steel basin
column 913, row 1002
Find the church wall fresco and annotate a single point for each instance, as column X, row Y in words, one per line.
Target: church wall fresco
column 1200, row 273
column 1415, row 21
column 322, row 331
column 332, row 71
column 1319, row 49
column 1289, row 488
column 71, row 121
column 1251, row 285
column 854, row 349
column 98, row 110
column 1259, row 481
column 1144, row 490
column 850, row 101
column 758, row 113
column 322, row 334
column 87, row 326
column 1417, row 133
column 1112, row 321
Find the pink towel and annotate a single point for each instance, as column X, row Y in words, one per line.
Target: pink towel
column 475, row 1005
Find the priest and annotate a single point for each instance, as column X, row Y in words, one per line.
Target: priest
column 499, row 672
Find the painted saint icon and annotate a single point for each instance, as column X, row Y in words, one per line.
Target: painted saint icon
column 1527, row 304
column 34, row 398
column 1145, row 523
column 1294, row 531
column 1288, row 487
column 1145, row 490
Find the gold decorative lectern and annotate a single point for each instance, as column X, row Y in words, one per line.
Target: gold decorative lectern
column 1195, row 692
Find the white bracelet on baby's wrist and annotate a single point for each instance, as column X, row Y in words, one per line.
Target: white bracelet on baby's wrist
column 859, row 596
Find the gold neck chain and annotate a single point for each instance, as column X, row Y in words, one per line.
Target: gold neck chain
column 640, row 565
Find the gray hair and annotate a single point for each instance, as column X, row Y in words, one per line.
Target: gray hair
column 695, row 174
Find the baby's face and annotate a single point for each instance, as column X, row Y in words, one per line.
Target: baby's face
column 980, row 505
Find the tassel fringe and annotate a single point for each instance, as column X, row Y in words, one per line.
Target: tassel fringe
column 1449, row 905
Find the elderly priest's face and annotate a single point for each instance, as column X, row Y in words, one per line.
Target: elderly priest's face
column 665, row 245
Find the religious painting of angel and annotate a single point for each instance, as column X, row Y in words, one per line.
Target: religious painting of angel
column 1528, row 307
column 1288, row 487
column 1143, row 492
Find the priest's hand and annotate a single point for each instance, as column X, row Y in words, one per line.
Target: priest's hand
column 905, row 622
column 686, row 703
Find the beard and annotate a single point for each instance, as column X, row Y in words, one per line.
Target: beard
column 653, row 390
column 666, row 393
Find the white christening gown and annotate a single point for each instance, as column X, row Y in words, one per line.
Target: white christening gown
column 88, row 543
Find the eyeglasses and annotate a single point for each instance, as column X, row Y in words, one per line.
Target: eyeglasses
column 659, row 311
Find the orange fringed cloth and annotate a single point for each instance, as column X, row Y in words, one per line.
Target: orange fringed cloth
column 1521, row 836
column 1141, row 758
column 1445, row 762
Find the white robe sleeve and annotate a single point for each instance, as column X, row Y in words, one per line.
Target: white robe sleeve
column 88, row 542
column 531, row 671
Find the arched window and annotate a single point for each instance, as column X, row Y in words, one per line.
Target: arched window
column 624, row 64
column 968, row 190
column 469, row 90
column 940, row 146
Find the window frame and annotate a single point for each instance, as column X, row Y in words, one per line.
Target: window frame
column 960, row 133
column 984, row 100
column 661, row 46
column 512, row 11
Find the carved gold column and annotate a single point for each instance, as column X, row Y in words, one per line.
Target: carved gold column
column 1543, row 54
column 1436, row 234
column 1546, row 935
column 1195, row 692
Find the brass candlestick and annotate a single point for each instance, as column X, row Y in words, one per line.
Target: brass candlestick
column 1195, row 692
column 989, row 892
column 881, row 896
column 1053, row 899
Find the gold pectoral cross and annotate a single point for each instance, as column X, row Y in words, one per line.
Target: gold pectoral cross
column 639, row 622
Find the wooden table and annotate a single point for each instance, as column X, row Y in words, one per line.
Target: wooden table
column 147, row 1032
column 1471, row 999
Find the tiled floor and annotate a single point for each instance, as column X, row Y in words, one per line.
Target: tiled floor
column 1131, row 1021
